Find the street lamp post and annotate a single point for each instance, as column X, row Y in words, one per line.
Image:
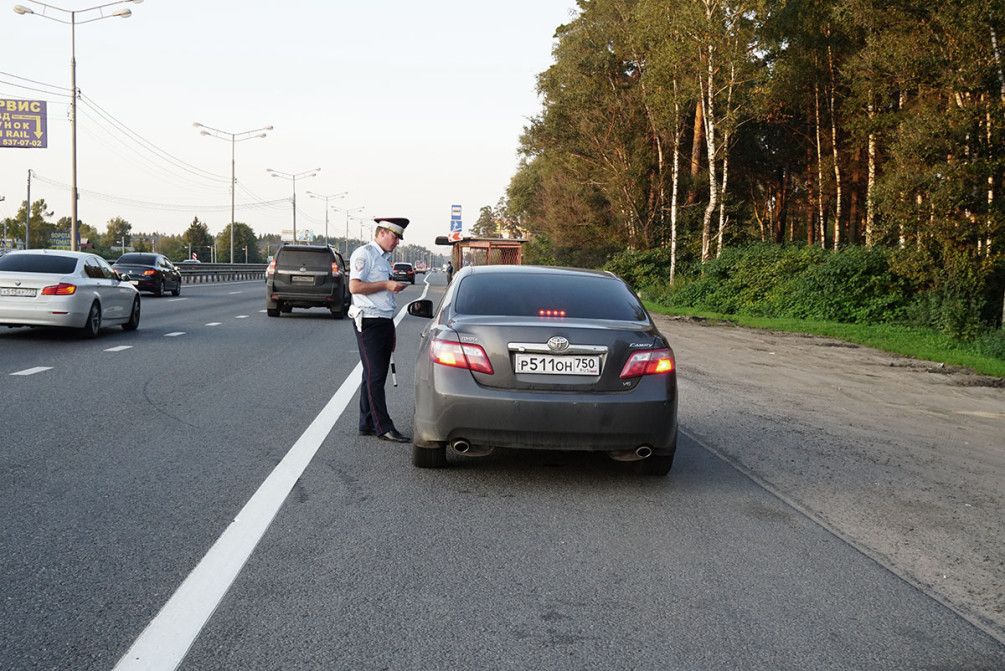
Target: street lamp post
column 234, row 139
column 326, row 199
column 293, row 176
column 347, row 213
column 122, row 13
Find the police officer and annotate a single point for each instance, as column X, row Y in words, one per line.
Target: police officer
column 372, row 311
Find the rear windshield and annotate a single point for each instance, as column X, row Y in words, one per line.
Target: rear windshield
column 303, row 258
column 403, row 266
column 38, row 263
column 138, row 259
column 534, row 294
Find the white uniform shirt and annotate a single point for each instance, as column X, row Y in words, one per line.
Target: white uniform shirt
column 370, row 263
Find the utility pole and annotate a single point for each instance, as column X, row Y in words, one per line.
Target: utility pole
column 27, row 214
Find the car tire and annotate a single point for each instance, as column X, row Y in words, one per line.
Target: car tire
column 426, row 457
column 134, row 316
column 657, row 464
column 160, row 288
column 93, row 324
column 337, row 313
column 272, row 312
column 177, row 290
column 285, row 309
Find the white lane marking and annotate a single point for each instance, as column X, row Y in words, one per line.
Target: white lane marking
column 173, row 334
column 213, row 324
column 231, row 293
column 120, row 348
column 167, row 639
column 41, row 369
column 241, row 317
column 263, row 310
column 175, row 300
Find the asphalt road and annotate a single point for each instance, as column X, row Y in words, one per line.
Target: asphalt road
column 123, row 468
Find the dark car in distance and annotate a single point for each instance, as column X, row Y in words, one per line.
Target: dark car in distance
column 530, row 357
column 152, row 273
column 403, row 272
column 307, row 276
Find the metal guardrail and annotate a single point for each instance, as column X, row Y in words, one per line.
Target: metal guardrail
column 200, row 273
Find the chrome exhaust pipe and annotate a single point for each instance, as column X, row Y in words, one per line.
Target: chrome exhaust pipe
column 639, row 453
column 460, row 446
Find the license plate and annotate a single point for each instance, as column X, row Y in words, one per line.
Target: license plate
column 17, row 291
column 301, row 279
column 549, row 364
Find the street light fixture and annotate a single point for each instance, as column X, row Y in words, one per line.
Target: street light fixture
column 326, row 199
column 234, row 139
column 293, row 176
column 121, row 13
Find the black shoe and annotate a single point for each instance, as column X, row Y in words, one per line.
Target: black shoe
column 394, row 437
column 367, row 432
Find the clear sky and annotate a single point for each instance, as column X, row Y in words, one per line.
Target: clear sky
column 410, row 107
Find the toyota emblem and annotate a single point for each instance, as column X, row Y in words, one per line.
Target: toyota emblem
column 558, row 343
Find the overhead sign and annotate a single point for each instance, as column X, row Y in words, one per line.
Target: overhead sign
column 455, row 219
column 23, row 124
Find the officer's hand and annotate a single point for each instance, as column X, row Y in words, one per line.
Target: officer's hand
column 396, row 287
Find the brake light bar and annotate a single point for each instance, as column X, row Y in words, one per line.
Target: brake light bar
column 551, row 313
column 61, row 289
column 458, row 355
column 649, row 362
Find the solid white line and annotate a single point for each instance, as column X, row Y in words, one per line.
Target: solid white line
column 32, row 371
column 167, row 639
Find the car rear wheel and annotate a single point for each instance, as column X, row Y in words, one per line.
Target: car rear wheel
column 134, row 316
column 426, row 457
column 177, row 290
column 272, row 312
column 337, row 313
column 160, row 288
column 93, row 324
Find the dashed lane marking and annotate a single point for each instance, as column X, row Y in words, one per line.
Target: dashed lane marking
column 120, row 348
column 173, row 334
column 32, row 371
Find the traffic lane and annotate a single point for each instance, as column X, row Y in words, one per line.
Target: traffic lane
column 564, row 561
column 115, row 492
column 554, row 560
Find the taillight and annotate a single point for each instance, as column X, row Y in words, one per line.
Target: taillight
column 648, row 362
column 335, row 271
column 147, row 273
column 61, row 289
column 271, row 270
column 460, row 355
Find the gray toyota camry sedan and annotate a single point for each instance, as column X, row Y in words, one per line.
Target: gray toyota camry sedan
column 530, row 357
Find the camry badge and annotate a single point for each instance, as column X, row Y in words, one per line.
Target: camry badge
column 558, row 343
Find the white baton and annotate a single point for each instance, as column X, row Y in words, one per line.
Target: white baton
column 394, row 373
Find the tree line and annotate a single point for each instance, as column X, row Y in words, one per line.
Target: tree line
column 689, row 126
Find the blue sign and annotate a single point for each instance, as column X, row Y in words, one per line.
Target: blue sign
column 61, row 239
column 23, row 124
column 455, row 219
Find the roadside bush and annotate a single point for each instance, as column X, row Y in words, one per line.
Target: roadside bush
column 854, row 285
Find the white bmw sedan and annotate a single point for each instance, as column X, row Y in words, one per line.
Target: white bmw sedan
column 49, row 287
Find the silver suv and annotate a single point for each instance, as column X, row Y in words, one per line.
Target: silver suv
column 307, row 276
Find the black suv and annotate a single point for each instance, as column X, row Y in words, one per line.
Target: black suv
column 307, row 276
column 403, row 272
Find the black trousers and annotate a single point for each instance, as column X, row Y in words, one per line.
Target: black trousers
column 376, row 343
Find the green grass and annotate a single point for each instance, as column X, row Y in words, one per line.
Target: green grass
column 918, row 343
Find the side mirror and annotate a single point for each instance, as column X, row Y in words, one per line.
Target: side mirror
column 423, row 308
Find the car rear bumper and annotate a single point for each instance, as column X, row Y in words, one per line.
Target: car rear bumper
column 52, row 313
column 455, row 407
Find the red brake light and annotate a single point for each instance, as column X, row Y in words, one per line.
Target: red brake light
column 271, row 270
column 149, row 272
column 551, row 313
column 61, row 289
column 649, row 362
column 459, row 355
